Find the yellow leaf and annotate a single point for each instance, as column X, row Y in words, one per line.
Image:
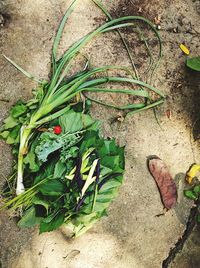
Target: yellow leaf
column 184, row 49
column 192, row 172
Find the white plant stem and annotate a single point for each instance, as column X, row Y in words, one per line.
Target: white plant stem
column 24, row 137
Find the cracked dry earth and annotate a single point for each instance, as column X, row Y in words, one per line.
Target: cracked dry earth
column 131, row 236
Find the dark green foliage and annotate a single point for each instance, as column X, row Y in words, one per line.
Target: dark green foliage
column 193, row 63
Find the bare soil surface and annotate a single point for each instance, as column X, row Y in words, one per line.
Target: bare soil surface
column 132, row 236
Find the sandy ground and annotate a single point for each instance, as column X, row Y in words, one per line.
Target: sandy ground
column 132, row 236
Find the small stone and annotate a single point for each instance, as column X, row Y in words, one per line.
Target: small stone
column 176, row 30
column 1, row 20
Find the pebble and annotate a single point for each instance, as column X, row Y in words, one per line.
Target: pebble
column 1, row 20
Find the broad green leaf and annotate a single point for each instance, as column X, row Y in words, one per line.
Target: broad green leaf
column 10, row 140
column 30, row 159
column 60, row 168
column 10, row 122
column 15, row 132
column 90, row 140
column 46, row 173
column 18, row 109
column 105, row 171
column 29, row 219
column 72, row 121
column 193, row 63
column 112, row 183
column 50, row 217
column 4, row 134
column 110, row 161
column 52, row 188
column 56, row 222
column 107, row 196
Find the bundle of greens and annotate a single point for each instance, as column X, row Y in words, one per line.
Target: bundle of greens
column 66, row 173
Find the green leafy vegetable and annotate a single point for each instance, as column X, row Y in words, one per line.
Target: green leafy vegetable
column 29, row 219
column 52, row 188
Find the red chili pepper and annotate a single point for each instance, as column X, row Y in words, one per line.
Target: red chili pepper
column 57, row 130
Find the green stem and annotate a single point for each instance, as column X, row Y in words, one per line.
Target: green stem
column 95, row 197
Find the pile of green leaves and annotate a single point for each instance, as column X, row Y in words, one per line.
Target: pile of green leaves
column 71, row 178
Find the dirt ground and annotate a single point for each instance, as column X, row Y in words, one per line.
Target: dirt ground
column 131, row 236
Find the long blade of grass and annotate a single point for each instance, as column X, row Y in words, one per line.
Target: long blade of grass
column 79, row 80
column 59, row 34
column 105, row 11
column 118, row 107
column 30, row 76
column 53, row 116
column 139, row 93
column 149, row 106
column 71, row 53
column 112, row 28
column 25, row 194
column 66, row 95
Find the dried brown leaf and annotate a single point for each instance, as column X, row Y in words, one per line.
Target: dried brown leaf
column 164, row 181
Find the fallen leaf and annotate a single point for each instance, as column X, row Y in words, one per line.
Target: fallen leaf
column 164, row 181
column 184, row 49
column 192, row 172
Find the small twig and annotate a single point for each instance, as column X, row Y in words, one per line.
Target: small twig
column 191, row 223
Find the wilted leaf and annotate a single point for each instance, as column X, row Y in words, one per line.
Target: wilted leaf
column 164, row 181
